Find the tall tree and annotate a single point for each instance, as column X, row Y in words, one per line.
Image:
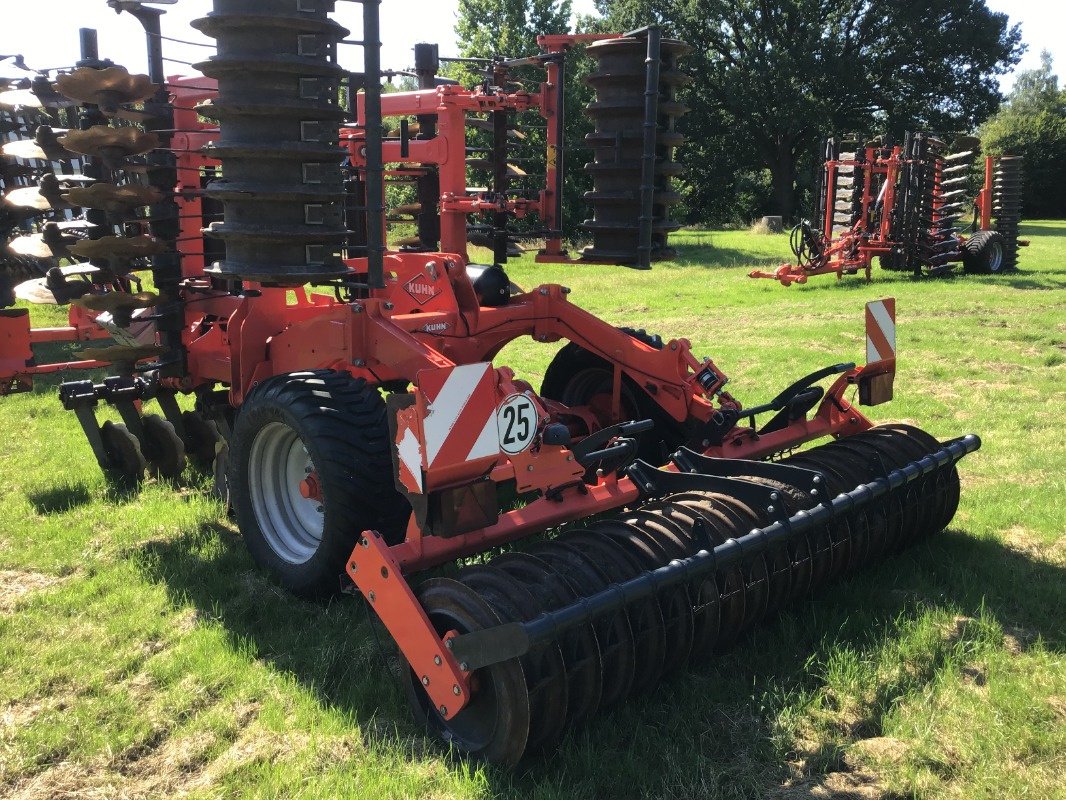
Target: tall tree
column 1032, row 124
column 783, row 73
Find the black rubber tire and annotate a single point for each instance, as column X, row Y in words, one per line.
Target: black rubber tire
column 575, row 375
column 984, row 253
column 342, row 424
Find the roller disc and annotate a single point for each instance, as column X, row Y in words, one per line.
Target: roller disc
column 862, row 464
column 675, row 604
column 915, row 497
column 613, row 631
column 704, row 592
column 164, row 449
column 580, row 646
column 543, row 666
column 742, row 520
column 645, row 617
column 494, row 725
column 731, row 596
column 839, row 529
column 779, row 560
column 949, row 479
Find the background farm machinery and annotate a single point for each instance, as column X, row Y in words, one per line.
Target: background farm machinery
column 344, row 390
column 906, row 205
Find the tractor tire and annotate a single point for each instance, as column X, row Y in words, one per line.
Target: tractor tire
column 984, row 253
column 575, row 376
column 320, row 432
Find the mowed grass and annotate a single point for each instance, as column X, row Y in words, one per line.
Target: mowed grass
column 143, row 655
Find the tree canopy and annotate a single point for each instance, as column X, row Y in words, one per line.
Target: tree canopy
column 1032, row 124
column 780, row 75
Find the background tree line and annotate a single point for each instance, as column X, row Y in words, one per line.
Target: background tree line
column 775, row 77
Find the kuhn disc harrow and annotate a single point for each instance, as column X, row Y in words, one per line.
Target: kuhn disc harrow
column 673, row 581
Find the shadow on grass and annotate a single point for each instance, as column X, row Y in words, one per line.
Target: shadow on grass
column 59, row 499
column 709, row 727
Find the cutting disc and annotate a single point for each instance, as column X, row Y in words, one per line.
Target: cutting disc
column 108, row 88
column 118, row 247
column 109, row 197
column 109, row 143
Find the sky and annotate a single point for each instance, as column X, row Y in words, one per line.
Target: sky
column 55, row 43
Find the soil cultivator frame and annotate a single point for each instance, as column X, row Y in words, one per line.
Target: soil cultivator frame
column 346, row 394
column 904, row 204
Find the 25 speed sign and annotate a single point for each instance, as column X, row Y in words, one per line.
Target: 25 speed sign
column 516, row 419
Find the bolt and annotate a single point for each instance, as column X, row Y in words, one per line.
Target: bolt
column 384, row 572
column 309, row 470
column 706, row 442
column 353, row 567
column 373, row 597
column 444, row 711
column 529, row 468
column 456, row 690
column 318, row 509
column 436, row 660
column 569, row 458
column 449, row 644
column 566, row 290
column 599, row 473
column 358, row 309
column 364, row 542
column 425, row 680
column 773, row 496
column 389, row 306
column 464, row 667
column 817, row 479
column 544, row 292
column 769, row 509
column 649, row 486
column 814, row 492
column 359, row 362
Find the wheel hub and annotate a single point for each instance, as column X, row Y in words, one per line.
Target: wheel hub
column 285, row 493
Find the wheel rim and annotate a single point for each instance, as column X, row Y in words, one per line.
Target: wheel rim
column 995, row 257
column 291, row 523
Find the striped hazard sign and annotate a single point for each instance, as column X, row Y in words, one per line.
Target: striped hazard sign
column 460, row 420
column 881, row 330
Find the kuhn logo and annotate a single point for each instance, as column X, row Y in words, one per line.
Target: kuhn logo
column 421, row 289
column 435, row 327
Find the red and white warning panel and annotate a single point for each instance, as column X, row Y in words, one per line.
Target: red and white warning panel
column 450, row 433
column 881, row 330
column 877, row 377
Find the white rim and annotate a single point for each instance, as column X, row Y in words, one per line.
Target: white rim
column 995, row 257
column 291, row 523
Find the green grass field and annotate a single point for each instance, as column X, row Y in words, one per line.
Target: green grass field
column 143, row 655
